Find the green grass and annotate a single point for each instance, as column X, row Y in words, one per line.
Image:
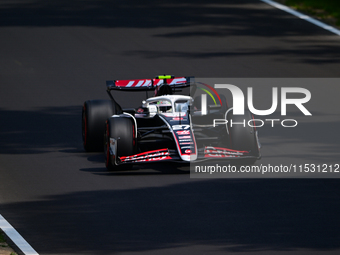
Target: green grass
column 327, row 10
column 2, row 237
column 3, row 242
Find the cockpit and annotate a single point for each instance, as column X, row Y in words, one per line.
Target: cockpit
column 167, row 104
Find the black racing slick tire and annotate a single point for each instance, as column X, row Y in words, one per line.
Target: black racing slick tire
column 122, row 130
column 243, row 136
column 94, row 115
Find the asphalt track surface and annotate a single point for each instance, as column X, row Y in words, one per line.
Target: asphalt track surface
column 57, row 54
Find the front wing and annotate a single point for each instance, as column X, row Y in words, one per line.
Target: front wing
column 186, row 151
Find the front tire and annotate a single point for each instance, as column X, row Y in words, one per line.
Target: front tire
column 122, row 130
column 94, row 115
column 243, row 137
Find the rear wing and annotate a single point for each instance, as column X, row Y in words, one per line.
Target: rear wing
column 150, row 84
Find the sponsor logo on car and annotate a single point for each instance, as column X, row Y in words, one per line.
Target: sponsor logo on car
column 180, row 127
column 217, row 152
column 177, row 118
column 184, row 137
column 186, row 147
column 147, row 156
column 175, row 114
column 183, row 132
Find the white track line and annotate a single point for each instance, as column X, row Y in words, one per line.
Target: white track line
column 302, row 16
column 19, row 241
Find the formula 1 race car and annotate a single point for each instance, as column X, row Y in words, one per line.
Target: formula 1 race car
column 167, row 126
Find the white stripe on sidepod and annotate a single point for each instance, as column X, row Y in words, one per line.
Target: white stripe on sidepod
column 16, row 238
column 302, row 16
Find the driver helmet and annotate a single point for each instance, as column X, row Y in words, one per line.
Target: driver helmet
column 164, row 106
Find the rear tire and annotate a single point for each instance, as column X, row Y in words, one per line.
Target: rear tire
column 94, row 115
column 122, row 129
